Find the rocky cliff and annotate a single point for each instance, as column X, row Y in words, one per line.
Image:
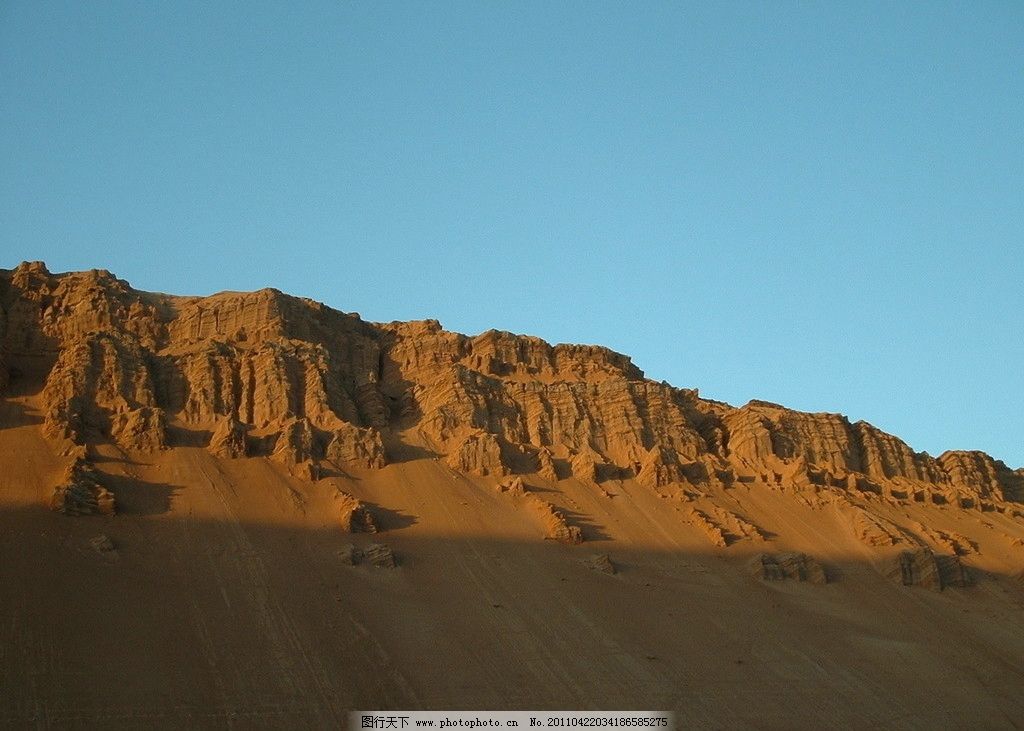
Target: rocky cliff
column 267, row 374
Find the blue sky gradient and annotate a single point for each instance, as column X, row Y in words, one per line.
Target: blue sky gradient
column 820, row 204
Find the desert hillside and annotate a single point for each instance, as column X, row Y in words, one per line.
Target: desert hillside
column 252, row 510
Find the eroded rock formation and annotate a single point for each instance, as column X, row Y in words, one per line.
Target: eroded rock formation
column 797, row 566
column 351, row 445
column 266, row 374
column 921, row 567
column 354, row 516
column 229, row 439
column 81, row 492
column 479, row 453
column 377, row 555
column 556, row 526
column 722, row 527
column 602, row 563
column 872, row 529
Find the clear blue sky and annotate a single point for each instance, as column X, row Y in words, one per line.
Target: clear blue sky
column 820, row 204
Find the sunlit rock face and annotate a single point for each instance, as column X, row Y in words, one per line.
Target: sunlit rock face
column 267, row 374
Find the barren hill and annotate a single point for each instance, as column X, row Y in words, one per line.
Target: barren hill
column 250, row 509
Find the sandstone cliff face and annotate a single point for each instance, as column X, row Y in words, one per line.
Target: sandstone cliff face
column 355, row 446
column 619, row 419
column 828, row 449
column 981, row 476
column 101, row 385
column 479, row 453
column 266, row 374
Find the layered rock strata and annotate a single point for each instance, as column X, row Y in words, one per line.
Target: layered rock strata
column 269, row 375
